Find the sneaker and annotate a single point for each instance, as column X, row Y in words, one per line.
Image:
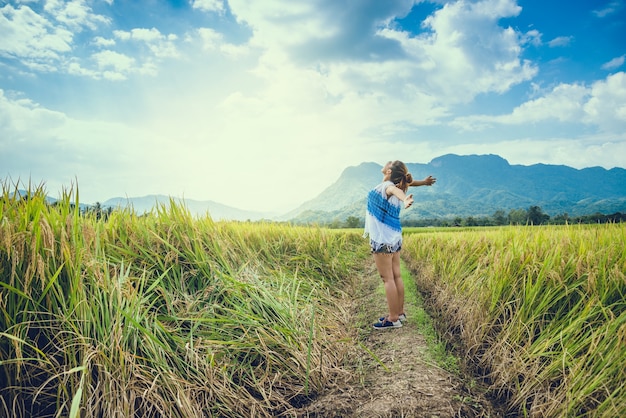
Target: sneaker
column 384, row 324
column 402, row 318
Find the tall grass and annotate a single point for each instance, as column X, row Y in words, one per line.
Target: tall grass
column 540, row 310
column 164, row 315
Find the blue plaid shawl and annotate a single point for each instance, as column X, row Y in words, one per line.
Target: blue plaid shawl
column 383, row 211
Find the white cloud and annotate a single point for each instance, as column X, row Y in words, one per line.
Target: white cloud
column 532, row 37
column 563, row 103
column 122, row 35
column 44, row 42
column 611, row 8
column 614, row 63
column 211, row 38
column 466, row 43
column 208, row 5
column 114, row 60
column 160, row 45
column 561, row 41
column 410, row 88
column 31, row 37
column 606, row 107
column 74, row 14
column 104, row 42
column 603, row 105
column 146, row 35
column 74, row 68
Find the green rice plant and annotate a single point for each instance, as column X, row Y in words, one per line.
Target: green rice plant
column 540, row 311
column 164, row 315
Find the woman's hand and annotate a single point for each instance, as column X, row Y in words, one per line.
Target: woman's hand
column 429, row 181
column 408, row 201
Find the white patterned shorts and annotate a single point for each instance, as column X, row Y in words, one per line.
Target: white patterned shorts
column 378, row 248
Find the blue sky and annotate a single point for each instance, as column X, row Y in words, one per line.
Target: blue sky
column 262, row 104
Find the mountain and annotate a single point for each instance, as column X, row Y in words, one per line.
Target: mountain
column 199, row 208
column 476, row 185
column 22, row 193
column 469, row 185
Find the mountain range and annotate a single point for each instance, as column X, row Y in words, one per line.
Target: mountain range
column 476, row 185
column 469, row 185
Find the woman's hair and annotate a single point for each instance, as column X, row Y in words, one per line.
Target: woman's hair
column 400, row 175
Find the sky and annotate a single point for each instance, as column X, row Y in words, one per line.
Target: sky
column 261, row 105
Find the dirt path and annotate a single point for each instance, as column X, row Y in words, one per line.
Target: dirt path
column 392, row 376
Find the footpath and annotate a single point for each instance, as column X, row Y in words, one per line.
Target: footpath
column 394, row 373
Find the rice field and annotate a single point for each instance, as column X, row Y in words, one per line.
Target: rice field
column 539, row 311
column 164, row 315
column 169, row 315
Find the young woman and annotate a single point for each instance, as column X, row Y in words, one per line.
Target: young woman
column 382, row 224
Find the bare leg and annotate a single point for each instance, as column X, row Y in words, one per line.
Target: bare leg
column 397, row 278
column 384, row 264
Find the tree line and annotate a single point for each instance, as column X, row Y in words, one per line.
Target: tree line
column 534, row 215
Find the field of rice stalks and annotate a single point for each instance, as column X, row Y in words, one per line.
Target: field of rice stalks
column 164, row 315
column 168, row 315
column 539, row 311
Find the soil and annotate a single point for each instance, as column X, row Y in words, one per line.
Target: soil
column 390, row 373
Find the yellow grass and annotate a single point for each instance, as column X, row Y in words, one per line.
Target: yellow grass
column 168, row 315
column 164, row 315
column 541, row 311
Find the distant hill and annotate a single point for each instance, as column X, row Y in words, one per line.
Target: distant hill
column 22, row 193
column 199, row 208
column 476, row 185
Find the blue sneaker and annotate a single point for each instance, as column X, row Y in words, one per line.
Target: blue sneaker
column 402, row 318
column 385, row 324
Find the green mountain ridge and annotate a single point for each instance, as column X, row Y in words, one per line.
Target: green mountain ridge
column 475, row 185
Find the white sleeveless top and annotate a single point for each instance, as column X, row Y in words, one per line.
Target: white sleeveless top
column 382, row 218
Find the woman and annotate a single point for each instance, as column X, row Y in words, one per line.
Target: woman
column 382, row 224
